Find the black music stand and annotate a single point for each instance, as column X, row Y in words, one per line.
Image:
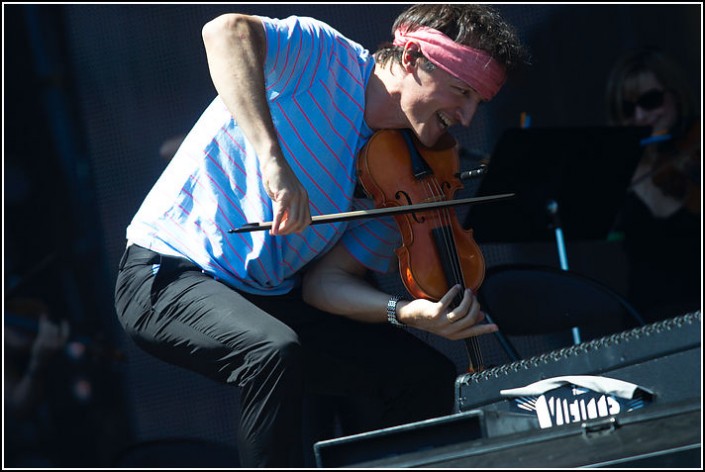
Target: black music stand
column 569, row 182
column 584, row 170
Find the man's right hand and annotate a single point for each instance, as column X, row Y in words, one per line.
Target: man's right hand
column 290, row 204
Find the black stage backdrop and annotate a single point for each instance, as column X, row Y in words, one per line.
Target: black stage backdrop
column 93, row 91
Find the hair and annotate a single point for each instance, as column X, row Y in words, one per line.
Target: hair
column 477, row 26
column 634, row 64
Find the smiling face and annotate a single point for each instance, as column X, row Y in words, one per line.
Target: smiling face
column 417, row 95
column 433, row 101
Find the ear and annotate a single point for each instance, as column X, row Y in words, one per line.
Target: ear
column 409, row 58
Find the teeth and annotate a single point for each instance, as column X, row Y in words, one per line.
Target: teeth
column 444, row 120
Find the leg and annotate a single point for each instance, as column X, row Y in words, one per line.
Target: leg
column 395, row 377
column 186, row 318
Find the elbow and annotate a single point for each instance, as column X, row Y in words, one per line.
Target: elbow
column 316, row 290
column 228, row 25
column 308, row 292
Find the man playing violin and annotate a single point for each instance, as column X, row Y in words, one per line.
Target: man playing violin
column 282, row 312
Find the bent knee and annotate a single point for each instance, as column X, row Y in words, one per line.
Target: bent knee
column 276, row 351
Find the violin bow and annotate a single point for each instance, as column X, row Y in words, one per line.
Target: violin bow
column 393, row 210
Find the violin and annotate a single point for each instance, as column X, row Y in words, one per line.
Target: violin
column 676, row 171
column 396, row 170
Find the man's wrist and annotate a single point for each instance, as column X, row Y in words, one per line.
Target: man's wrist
column 392, row 312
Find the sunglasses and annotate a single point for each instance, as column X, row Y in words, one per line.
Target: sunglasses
column 648, row 101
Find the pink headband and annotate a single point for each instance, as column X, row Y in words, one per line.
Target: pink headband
column 473, row 66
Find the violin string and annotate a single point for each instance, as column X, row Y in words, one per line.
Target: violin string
column 434, row 189
column 471, row 344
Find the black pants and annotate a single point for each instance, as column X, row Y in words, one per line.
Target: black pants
column 275, row 348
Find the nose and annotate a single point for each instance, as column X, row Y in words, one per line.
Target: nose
column 467, row 111
column 640, row 116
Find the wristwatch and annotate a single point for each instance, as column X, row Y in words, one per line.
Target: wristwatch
column 392, row 312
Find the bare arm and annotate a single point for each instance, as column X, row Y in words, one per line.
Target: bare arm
column 336, row 284
column 235, row 47
column 28, row 391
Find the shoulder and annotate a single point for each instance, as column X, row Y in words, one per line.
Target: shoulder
column 291, row 22
column 305, row 26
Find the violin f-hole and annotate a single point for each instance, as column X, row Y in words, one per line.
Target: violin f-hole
column 398, row 196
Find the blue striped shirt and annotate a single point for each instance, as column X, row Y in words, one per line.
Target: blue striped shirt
column 315, row 81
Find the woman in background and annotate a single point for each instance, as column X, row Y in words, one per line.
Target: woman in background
column 660, row 219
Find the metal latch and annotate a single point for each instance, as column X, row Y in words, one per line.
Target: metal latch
column 599, row 427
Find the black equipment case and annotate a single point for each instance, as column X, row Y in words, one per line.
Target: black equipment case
column 663, row 357
column 486, row 431
column 659, row 436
